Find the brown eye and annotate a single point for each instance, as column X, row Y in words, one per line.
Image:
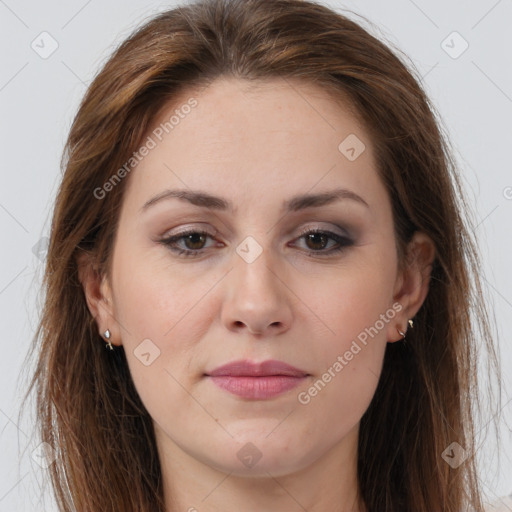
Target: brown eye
column 317, row 242
column 194, row 241
column 190, row 243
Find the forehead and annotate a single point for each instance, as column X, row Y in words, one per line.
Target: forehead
column 240, row 139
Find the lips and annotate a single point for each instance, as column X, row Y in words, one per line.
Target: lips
column 257, row 381
column 245, row 368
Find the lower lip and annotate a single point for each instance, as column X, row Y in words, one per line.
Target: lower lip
column 257, row 388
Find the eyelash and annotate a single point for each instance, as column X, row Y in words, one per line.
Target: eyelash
column 343, row 242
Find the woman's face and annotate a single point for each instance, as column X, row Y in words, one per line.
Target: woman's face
column 255, row 286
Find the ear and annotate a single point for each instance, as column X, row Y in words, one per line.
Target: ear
column 412, row 283
column 98, row 295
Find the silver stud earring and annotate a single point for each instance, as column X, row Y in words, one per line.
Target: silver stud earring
column 411, row 324
column 106, row 334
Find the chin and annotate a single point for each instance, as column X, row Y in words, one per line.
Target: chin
column 260, row 456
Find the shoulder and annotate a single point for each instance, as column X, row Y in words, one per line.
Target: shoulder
column 501, row 505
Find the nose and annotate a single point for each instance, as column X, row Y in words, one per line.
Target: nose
column 257, row 298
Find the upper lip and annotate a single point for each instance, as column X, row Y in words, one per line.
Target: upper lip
column 253, row 369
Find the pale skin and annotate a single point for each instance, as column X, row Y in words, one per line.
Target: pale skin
column 257, row 148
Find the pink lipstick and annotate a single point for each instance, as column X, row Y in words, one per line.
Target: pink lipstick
column 257, row 381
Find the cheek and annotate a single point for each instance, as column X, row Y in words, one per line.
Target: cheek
column 162, row 325
column 353, row 302
column 350, row 363
column 164, row 315
column 355, row 314
column 153, row 296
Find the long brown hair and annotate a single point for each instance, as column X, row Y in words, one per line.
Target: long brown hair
column 87, row 406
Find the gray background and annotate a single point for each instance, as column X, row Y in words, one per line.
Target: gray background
column 39, row 96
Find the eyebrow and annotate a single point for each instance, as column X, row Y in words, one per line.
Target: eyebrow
column 296, row 203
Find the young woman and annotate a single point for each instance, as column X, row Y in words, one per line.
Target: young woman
column 262, row 290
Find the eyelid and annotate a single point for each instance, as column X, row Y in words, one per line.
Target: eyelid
column 213, row 232
column 307, row 229
column 183, row 230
